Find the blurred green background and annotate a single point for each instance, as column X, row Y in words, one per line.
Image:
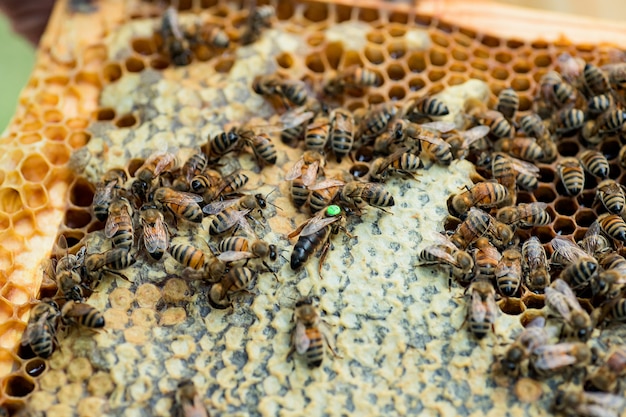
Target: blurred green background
column 15, row 67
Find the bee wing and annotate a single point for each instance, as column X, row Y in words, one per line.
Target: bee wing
column 155, row 238
column 440, row 126
column 286, row 121
column 524, row 167
column 602, row 404
column 301, row 340
column 317, row 223
column 562, row 308
column 295, row 171
column 218, row 206
column 167, row 159
column 553, row 356
column 311, row 173
column 440, row 253
column 327, row 183
column 567, row 249
column 474, row 134
column 521, row 214
column 590, row 239
column 391, row 158
column 434, row 140
column 180, row 197
column 232, row 256
column 111, row 226
column 562, row 287
column 478, row 308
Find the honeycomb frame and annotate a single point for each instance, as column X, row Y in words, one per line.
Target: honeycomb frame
column 50, row 125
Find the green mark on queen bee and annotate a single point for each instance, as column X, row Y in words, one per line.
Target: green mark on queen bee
column 333, row 210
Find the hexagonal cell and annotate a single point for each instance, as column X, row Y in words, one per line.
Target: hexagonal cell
column 334, row 52
column 24, row 223
column 564, row 226
column 522, row 67
column 78, row 139
column 144, row 46
column 34, row 168
column 35, row 367
column 416, row 84
column 543, row 60
column 134, row 64
column 112, row 72
column 423, row 20
column 417, row 62
column 590, row 182
column 43, row 98
column 540, row 44
column 479, row 65
column 585, row 217
column 514, row 43
column 446, row 27
column 398, row 17
column 566, row 206
column 456, row 79
column 224, row 64
column 57, row 80
column 500, row 73
column 342, row 12
column 18, row 386
column 15, row 294
column 520, row 83
column 397, row 93
column 396, row 49
column 73, row 238
column 88, row 78
column 459, row 54
column 314, row 63
column 133, row 165
column 440, row 39
column 534, row 301
column 159, row 63
column 77, row 218
column 5, row 222
column 456, row 67
column 56, row 153
column 52, row 116
column 28, row 138
column 284, row 60
column 316, row 12
column 481, row 53
column 105, row 114
column 375, row 99
column 568, row 148
column 512, row 306
column 610, row 148
column 376, row 37
column 374, row 54
column 81, row 193
column 351, row 58
column 127, row 120
column 10, row 200
column 395, row 72
column 438, row 57
column 544, row 233
column 367, row 14
column 435, row 75
column 524, row 197
column 6, row 310
column 55, row 132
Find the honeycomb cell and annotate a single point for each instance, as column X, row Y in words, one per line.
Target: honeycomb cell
column 435, row 75
column 95, row 55
column 77, row 219
column 159, row 63
column 545, row 194
column 105, row 114
column 24, row 223
column 35, row 367
column 143, row 46
column 367, row 14
column 543, row 60
column 500, row 73
column 78, row 139
column 81, row 193
column 6, row 310
column 566, row 206
column 88, row 78
column 375, row 99
column 352, row 58
column 314, row 63
column 76, row 123
column 590, row 182
column 44, row 98
column 446, row 27
column 396, row 49
column 10, row 200
column 438, row 57
column 134, row 64
column 479, row 65
column 34, row 168
column 459, row 54
column 28, row 138
column 456, row 67
column 540, row 44
column 585, row 217
column 503, row 57
column 514, row 43
column 342, row 12
column 416, row 62
column 520, row 84
column 334, row 52
column 18, row 386
column 568, row 148
column 524, row 197
column 285, row 60
column 15, row 294
column 52, row 116
column 416, row 84
column 73, row 237
column 376, row 37
column 512, row 306
column 5, row 222
column 316, row 12
column 440, row 39
column 610, row 149
column 57, row 80
column 56, row 133
column 374, row 54
column 534, row 301
column 397, row 93
column 564, row 226
column 587, row 198
column 56, row 153
column 134, row 165
column 456, row 79
column 423, row 20
column 395, row 72
column 398, row 17
column 481, row 53
column 127, row 120
column 522, row 67
column 544, row 233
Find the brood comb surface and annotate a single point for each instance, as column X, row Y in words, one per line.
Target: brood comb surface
column 396, row 326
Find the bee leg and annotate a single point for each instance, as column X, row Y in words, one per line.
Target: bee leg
column 267, row 267
column 322, row 257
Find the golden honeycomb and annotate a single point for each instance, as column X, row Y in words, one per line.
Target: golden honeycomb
column 102, row 96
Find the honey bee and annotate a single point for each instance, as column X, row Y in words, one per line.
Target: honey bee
column 610, row 282
column 106, row 191
column 181, row 205
column 535, row 265
column 606, row 377
column 40, row 333
column 572, row 175
column 613, row 225
column 595, row 80
column 579, row 267
column 571, row 68
column 67, row 272
column 188, row 401
column 611, row 194
column 82, row 314
column 520, row 147
column 533, row 336
column 303, row 174
column 526, row 174
column 508, row 103
column 561, row 299
column 209, row 34
column 230, row 213
column 195, row 165
column 119, row 224
column 235, row 248
column 376, row 121
column 617, row 81
column 500, row 233
column 486, row 259
column 314, row 234
column 351, row 78
column 224, row 142
column 341, row 132
column 482, row 195
column 317, row 134
column 546, row 360
column 174, row 43
column 427, row 107
column 461, row 142
column 293, row 91
column 212, row 185
column 508, row 272
column 155, row 233
column 588, row 404
column 188, row 256
column 400, row 161
column 155, row 165
column 594, row 163
column 498, row 125
column 599, row 104
column 442, row 252
column 259, row 18
column 533, row 125
column 525, row 215
column 568, row 120
column 236, row 279
column 310, row 334
column 111, row 261
column 482, row 309
column 503, row 171
column 323, row 193
column 357, row 195
column 473, row 227
column 611, row 121
column 427, row 139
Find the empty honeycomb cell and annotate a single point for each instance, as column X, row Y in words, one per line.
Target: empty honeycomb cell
column 416, row 62
column 27, row 139
column 544, row 233
column 446, row 27
column 15, row 294
column 456, row 67
column 520, row 83
column 395, row 72
column 436, row 74
column 353, row 58
column 544, row 193
column 134, row 165
column 34, row 168
column 397, row 93
column 368, row 15
column 127, row 120
column 316, row 12
column 375, row 99
column 159, row 63
column 610, row 149
column 396, row 31
column 55, row 132
column 614, row 170
column 500, row 73
column 314, row 62
column 564, row 226
column 490, row 41
column 35, row 367
column 462, row 40
column 73, row 238
column 512, row 306
column 31, row 126
column 95, row 55
column 503, row 57
column 10, row 200
column 522, row 67
column 396, row 49
column 566, row 206
column 334, row 52
column 398, row 17
column 456, row 79
column 285, row 60
column 6, row 310
column 440, row 39
column 18, row 386
column 105, row 114
column 423, row 20
column 76, row 123
column 376, row 37
column 479, row 64
column 112, row 72
column 568, row 148
column 343, row 12
column 81, row 193
column 95, row 226
column 514, row 43
column 88, row 78
column 585, row 217
column 374, row 54
column 44, row 98
column 134, row 64
column 543, row 60
column 481, row 53
column 57, row 80
column 587, row 198
column 546, row 174
column 77, row 219
column 534, row 301
column 436, row 89
column 24, row 223
column 540, row 44
column 143, row 46
column 524, row 197
column 56, row 153
column 459, row 55
column 78, row 139
column 438, row 57
column 525, row 103
column 416, row 84
column 5, row 222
